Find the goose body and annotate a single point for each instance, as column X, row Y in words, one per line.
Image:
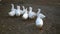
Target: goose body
column 12, row 12
column 31, row 13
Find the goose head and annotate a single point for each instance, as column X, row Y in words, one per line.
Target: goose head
column 39, row 9
column 18, row 7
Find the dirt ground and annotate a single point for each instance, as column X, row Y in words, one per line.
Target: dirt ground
column 17, row 25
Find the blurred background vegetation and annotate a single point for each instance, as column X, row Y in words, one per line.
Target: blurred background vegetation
column 42, row 2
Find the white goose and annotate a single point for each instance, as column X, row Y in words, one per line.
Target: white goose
column 12, row 12
column 31, row 13
column 39, row 21
column 18, row 11
column 25, row 15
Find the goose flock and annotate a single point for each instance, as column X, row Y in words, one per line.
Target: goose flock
column 28, row 14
